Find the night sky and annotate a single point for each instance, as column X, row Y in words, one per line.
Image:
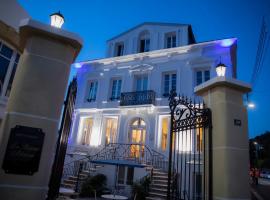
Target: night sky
column 99, row 20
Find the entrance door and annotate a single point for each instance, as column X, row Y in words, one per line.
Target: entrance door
column 137, row 137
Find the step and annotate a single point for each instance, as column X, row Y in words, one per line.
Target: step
column 70, row 181
column 159, row 177
column 161, row 186
column 155, row 194
column 67, row 185
column 158, row 190
column 162, row 182
column 155, row 198
column 75, row 178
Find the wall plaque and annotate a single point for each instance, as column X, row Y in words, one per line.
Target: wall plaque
column 237, row 122
column 23, row 150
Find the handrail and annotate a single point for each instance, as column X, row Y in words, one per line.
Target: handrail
column 136, row 152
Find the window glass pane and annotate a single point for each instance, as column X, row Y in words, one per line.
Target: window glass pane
column 173, row 41
column 130, row 175
column 6, row 51
column 145, row 82
column 114, row 85
column 119, row 89
column 173, row 82
column 92, row 91
column 3, row 70
column 168, row 42
column 111, row 128
column 121, row 174
column 17, row 58
column 147, row 45
column 87, row 131
column 206, row 75
column 166, row 85
column 138, row 84
column 199, row 77
column 164, row 133
column 142, row 45
column 11, row 80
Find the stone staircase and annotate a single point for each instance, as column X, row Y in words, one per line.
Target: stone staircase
column 158, row 186
column 68, row 185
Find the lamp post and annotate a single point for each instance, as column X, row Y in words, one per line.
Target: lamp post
column 221, row 69
column 57, row 19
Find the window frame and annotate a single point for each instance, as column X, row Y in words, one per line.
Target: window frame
column 117, row 91
column 203, row 76
column 173, row 43
column 90, row 132
column 8, row 74
column 142, row 78
column 116, row 50
column 92, row 97
column 170, row 74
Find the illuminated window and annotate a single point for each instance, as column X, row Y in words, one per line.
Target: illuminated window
column 87, row 131
column 199, row 138
column 111, row 130
column 164, row 133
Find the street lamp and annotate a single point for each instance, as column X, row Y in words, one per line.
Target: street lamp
column 221, row 69
column 57, row 19
column 251, row 105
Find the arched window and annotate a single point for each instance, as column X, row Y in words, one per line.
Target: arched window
column 144, row 42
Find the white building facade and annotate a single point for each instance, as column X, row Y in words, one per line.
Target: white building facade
column 124, row 98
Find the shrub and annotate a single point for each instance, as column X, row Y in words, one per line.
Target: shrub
column 95, row 183
column 141, row 188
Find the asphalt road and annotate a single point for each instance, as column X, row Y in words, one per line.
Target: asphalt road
column 262, row 189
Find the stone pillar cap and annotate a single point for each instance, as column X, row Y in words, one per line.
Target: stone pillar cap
column 222, row 81
column 29, row 27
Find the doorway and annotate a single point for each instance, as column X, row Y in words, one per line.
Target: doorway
column 137, row 137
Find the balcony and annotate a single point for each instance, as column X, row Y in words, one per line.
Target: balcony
column 137, row 98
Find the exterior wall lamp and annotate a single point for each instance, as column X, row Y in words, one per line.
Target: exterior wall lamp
column 57, row 19
column 221, row 69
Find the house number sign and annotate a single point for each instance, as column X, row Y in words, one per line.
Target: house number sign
column 23, row 150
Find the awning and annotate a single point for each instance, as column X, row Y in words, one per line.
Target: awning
column 119, row 163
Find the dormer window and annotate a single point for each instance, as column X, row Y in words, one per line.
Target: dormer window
column 144, row 42
column 119, row 49
column 170, row 40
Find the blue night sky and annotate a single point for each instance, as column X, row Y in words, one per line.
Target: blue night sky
column 98, row 20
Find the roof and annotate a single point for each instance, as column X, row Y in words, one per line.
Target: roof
column 148, row 23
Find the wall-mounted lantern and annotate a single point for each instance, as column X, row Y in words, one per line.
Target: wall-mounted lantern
column 57, row 19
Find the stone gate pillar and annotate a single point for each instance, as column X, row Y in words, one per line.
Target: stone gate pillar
column 229, row 137
column 30, row 127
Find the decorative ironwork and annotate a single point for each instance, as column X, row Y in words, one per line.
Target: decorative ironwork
column 189, row 157
column 116, row 152
column 64, row 131
column 137, row 98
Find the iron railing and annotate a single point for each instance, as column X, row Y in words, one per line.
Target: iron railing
column 132, row 152
column 137, row 98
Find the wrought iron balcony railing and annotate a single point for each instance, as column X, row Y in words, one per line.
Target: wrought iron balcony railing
column 137, row 98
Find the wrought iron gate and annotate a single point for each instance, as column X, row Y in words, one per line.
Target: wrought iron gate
column 57, row 168
column 189, row 171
